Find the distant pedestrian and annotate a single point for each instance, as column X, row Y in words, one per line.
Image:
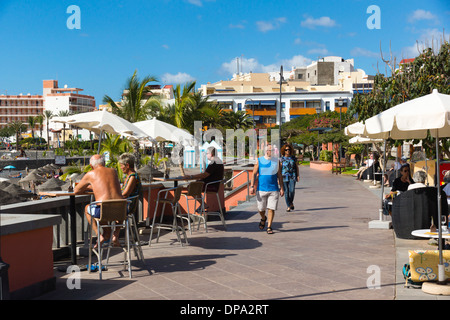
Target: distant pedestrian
column 290, row 173
column 267, row 172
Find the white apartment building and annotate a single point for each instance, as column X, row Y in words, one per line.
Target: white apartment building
column 326, row 84
column 20, row 107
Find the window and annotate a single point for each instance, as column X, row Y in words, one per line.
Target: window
column 316, row 104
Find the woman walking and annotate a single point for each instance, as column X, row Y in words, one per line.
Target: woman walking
column 289, row 171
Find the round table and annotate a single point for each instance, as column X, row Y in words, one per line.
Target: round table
column 425, row 233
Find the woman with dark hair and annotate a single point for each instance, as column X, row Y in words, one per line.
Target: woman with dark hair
column 401, row 183
column 290, row 173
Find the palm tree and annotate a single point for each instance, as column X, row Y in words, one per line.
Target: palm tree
column 115, row 146
column 238, row 120
column 40, row 122
column 64, row 113
column 18, row 127
column 133, row 108
column 182, row 101
column 48, row 114
column 32, row 123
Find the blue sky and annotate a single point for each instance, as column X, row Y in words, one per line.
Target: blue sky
column 183, row 40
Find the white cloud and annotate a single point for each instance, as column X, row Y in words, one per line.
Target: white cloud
column 197, row 3
column 236, row 26
column 265, row 26
column 361, row 52
column 320, row 51
column 311, row 23
column 251, row 64
column 429, row 38
column 420, row 14
column 179, row 78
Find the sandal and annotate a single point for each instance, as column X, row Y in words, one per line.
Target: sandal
column 269, row 230
column 262, row 224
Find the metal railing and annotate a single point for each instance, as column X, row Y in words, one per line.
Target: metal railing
column 247, row 183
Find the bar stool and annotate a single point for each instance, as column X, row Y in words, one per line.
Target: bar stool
column 111, row 211
column 136, row 242
column 214, row 213
column 194, row 190
column 173, row 202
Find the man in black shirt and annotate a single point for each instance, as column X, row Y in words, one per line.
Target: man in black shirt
column 214, row 171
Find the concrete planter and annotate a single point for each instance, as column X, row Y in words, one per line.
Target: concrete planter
column 321, row 165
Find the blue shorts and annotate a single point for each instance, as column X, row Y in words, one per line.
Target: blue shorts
column 94, row 211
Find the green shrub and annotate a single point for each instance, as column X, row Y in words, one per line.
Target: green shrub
column 326, row 155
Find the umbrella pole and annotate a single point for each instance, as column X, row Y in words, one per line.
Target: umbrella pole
column 441, row 270
column 150, row 178
column 382, row 182
column 99, row 141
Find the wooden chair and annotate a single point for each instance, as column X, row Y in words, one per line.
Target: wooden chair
column 337, row 166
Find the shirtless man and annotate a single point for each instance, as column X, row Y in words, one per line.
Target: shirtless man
column 104, row 182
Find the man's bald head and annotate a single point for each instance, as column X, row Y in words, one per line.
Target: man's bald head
column 97, row 160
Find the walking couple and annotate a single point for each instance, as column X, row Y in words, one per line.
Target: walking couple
column 274, row 178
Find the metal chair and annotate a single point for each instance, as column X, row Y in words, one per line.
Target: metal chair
column 173, row 202
column 112, row 212
column 194, row 190
column 216, row 213
column 136, row 244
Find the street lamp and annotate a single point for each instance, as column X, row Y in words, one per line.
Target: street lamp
column 279, row 106
column 340, row 103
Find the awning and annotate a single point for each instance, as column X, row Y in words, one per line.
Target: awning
column 262, row 102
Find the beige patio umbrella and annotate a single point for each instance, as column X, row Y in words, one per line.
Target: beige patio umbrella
column 414, row 119
column 103, row 121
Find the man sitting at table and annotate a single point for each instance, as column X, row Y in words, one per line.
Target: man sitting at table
column 104, row 182
column 214, row 171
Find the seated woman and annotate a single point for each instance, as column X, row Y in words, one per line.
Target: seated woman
column 401, row 183
column 132, row 184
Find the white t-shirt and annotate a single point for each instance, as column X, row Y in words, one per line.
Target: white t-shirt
column 416, row 185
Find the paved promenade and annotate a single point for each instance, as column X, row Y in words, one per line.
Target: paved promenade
column 323, row 250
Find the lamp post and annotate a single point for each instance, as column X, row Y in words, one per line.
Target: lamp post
column 279, row 110
column 340, row 103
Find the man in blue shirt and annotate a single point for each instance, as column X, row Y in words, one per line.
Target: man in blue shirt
column 267, row 171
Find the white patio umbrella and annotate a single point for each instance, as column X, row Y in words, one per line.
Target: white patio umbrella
column 162, row 131
column 364, row 140
column 413, row 120
column 355, row 129
column 103, row 121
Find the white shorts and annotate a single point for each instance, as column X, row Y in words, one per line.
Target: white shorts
column 267, row 200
